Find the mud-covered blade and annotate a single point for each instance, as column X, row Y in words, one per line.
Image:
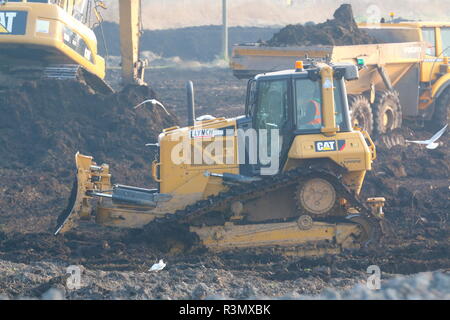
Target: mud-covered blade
column 90, row 178
column 66, row 219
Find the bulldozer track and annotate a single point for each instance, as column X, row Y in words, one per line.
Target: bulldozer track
column 244, row 192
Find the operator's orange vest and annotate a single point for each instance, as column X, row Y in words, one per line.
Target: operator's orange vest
column 317, row 117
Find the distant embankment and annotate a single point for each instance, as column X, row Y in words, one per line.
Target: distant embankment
column 194, row 43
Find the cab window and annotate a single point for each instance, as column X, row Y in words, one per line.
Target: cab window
column 272, row 109
column 429, row 36
column 445, row 33
column 79, row 9
column 308, row 105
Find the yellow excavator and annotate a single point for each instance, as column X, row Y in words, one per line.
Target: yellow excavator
column 52, row 39
column 286, row 175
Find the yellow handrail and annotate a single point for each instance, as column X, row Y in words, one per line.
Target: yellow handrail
column 372, row 147
column 155, row 165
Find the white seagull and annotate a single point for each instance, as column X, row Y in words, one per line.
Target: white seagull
column 431, row 143
column 154, row 102
column 158, row 266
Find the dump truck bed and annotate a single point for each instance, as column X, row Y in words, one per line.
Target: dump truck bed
column 249, row 60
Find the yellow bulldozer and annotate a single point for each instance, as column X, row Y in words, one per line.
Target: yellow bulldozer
column 286, row 175
column 53, row 39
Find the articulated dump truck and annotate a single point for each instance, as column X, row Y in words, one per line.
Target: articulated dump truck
column 405, row 76
column 287, row 175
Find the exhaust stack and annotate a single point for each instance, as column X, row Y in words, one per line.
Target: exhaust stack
column 190, row 103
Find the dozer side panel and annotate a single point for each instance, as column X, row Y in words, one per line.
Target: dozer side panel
column 51, row 36
column 347, row 149
column 187, row 153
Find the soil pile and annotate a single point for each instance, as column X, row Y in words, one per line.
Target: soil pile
column 43, row 125
column 342, row 30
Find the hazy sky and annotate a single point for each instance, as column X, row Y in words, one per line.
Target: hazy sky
column 163, row 14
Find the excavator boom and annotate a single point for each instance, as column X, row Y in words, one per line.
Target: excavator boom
column 130, row 32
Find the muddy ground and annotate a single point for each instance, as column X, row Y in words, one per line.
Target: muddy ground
column 35, row 182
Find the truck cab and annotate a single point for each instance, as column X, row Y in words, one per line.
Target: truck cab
column 433, row 73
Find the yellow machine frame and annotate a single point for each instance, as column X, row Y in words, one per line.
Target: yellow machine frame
column 52, row 35
column 51, row 28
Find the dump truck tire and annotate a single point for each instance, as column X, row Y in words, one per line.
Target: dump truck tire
column 360, row 112
column 387, row 112
column 441, row 115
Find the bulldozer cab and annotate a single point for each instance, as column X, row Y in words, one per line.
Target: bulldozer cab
column 283, row 105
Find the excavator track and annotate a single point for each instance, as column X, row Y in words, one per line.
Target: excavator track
column 16, row 77
column 245, row 192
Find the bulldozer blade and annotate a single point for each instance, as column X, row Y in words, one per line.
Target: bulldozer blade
column 90, row 178
column 65, row 219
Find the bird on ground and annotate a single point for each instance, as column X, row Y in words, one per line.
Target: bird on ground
column 158, row 266
column 154, row 102
column 431, row 143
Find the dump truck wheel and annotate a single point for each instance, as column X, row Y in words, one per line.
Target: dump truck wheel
column 441, row 115
column 361, row 113
column 387, row 112
column 316, row 197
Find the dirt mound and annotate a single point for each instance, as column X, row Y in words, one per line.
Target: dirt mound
column 43, row 125
column 342, row 30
